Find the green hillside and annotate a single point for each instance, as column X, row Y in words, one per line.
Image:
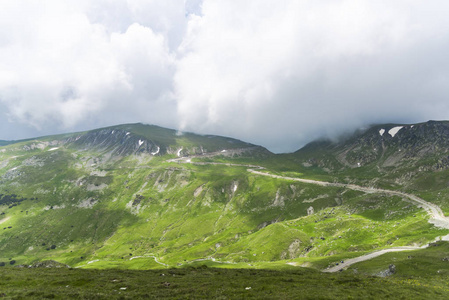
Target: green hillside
column 144, row 197
column 105, row 198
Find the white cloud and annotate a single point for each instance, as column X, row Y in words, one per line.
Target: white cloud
column 282, row 72
column 277, row 73
column 59, row 67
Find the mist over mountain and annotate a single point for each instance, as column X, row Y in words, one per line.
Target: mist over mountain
column 277, row 75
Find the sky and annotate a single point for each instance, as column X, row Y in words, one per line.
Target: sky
column 277, row 73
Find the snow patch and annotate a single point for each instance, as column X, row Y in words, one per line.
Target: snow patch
column 140, row 143
column 412, row 126
column 112, row 131
column 223, row 151
column 381, row 132
column 53, row 149
column 127, row 133
column 179, row 152
column 156, row 152
column 395, row 130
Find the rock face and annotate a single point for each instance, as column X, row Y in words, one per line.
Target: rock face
column 48, row 264
column 388, row 272
column 388, row 145
column 119, row 142
column 130, row 139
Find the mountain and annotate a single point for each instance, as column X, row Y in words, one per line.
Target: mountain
column 142, row 196
column 139, row 138
column 4, row 143
column 385, row 146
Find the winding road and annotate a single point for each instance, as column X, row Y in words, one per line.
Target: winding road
column 437, row 217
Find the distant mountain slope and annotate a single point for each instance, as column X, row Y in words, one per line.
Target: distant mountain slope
column 139, row 138
column 411, row 157
column 389, row 145
column 4, row 143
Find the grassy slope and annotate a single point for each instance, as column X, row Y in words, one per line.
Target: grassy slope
column 95, row 209
column 207, row 283
column 140, row 212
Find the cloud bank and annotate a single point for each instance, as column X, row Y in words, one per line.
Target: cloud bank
column 275, row 73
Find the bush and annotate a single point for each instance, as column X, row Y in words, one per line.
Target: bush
column 2, row 264
column 12, row 262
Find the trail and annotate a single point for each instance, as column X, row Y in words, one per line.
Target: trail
column 435, row 212
column 437, row 217
column 4, row 220
column 152, row 256
column 369, row 256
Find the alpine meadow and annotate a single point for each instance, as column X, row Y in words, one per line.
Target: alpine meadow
column 142, row 211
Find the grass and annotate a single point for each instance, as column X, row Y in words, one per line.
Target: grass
column 205, row 283
column 110, row 215
column 151, row 207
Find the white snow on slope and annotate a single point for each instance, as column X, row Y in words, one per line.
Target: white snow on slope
column 179, row 152
column 156, row 152
column 381, row 132
column 53, row 149
column 395, row 130
column 140, row 143
column 127, row 133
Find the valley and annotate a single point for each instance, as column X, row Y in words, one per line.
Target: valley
column 140, row 197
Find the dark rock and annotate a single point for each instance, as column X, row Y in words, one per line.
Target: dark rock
column 392, row 268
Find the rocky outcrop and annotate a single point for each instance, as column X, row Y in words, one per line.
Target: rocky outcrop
column 48, row 264
column 117, row 141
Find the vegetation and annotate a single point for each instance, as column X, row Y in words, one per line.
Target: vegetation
column 207, row 283
column 121, row 203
